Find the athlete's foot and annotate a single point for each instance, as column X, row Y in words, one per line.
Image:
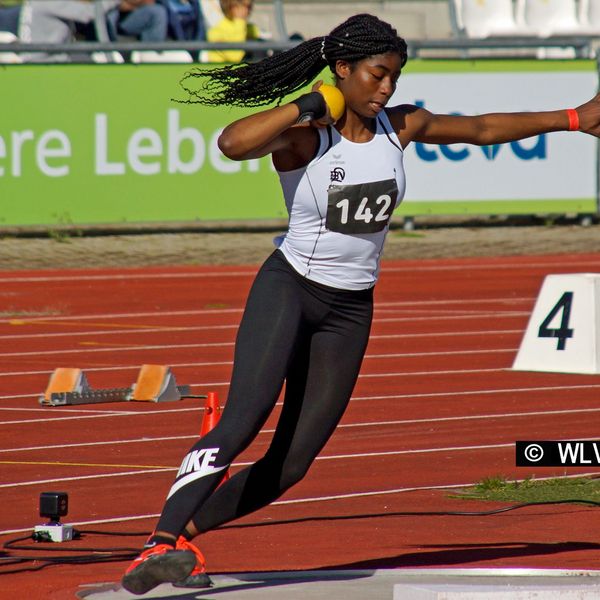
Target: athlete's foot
column 160, row 564
column 198, row 578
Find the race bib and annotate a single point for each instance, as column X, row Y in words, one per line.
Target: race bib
column 361, row 208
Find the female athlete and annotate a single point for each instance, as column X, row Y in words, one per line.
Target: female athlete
column 308, row 314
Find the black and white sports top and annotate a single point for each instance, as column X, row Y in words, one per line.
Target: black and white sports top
column 340, row 205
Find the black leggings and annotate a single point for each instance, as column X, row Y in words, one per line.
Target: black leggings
column 311, row 336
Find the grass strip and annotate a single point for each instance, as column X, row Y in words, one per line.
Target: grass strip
column 500, row 489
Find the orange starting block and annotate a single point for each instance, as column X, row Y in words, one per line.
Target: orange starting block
column 155, row 383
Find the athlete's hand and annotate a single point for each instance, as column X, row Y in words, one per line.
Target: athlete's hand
column 589, row 116
column 326, row 119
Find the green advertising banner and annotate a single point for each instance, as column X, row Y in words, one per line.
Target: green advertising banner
column 111, row 144
column 107, row 144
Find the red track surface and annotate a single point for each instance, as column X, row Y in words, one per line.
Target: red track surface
column 436, row 405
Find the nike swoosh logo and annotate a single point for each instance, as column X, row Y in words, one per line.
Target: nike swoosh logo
column 192, row 477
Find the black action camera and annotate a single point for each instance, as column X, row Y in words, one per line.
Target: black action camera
column 54, row 505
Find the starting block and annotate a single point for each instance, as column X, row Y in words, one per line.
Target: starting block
column 563, row 333
column 155, row 383
column 66, row 380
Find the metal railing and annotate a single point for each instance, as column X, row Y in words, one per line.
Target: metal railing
column 583, row 46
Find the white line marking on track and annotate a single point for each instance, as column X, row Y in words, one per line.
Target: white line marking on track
column 126, row 276
column 554, row 388
column 346, row 496
column 82, row 349
column 166, row 329
column 403, row 490
column 441, row 353
column 84, row 477
column 508, row 300
column 211, row 364
column 513, row 415
column 479, row 447
column 355, row 398
column 69, row 410
column 429, row 373
column 428, row 312
column 454, row 317
column 120, row 368
column 17, row 396
column 359, row 455
column 387, row 336
column 88, row 350
column 220, row 311
column 390, row 396
column 96, row 416
column 484, row 265
column 251, row 270
column 131, row 331
column 96, row 369
column 145, row 440
column 135, row 315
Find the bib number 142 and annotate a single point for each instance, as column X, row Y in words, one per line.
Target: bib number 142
column 361, row 208
column 364, row 212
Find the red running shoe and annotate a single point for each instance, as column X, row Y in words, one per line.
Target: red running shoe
column 198, row 578
column 158, row 564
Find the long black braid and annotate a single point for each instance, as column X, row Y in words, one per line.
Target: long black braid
column 263, row 82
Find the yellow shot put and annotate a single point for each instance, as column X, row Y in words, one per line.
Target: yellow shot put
column 334, row 99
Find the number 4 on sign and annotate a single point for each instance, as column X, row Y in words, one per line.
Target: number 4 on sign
column 563, row 332
column 567, row 311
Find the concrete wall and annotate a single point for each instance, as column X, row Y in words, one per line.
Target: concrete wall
column 425, row 19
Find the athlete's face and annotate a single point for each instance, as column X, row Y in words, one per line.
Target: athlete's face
column 369, row 84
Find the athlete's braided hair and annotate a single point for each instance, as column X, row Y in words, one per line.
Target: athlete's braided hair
column 263, row 82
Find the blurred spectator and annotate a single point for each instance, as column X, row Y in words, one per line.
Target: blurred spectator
column 146, row 20
column 211, row 9
column 57, row 22
column 186, row 20
column 9, row 15
column 233, row 27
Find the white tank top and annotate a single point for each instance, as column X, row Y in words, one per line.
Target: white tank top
column 340, row 205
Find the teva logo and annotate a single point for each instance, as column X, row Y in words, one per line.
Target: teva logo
column 196, row 464
column 532, row 149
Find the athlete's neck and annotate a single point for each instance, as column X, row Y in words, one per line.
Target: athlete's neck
column 356, row 128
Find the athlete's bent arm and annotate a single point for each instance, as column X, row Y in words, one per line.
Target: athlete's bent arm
column 258, row 134
column 273, row 131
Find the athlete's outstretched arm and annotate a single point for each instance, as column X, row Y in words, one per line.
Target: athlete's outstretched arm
column 417, row 124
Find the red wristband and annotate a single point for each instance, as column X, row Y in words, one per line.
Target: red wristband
column 573, row 119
